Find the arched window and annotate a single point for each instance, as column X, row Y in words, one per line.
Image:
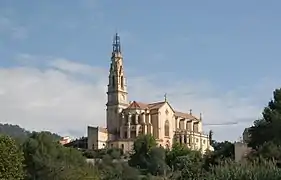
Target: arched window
column 167, row 128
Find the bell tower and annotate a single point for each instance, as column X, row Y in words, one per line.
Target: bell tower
column 117, row 88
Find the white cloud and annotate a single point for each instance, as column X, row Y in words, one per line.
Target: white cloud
column 65, row 96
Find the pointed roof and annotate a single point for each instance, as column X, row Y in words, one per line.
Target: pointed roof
column 158, row 105
column 143, row 106
column 184, row 115
column 136, row 105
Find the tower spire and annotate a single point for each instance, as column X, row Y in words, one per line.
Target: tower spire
column 116, row 44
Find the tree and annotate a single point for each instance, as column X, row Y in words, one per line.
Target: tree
column 46, row 159
column 186, row 163
column 267, row 128
column 156, row 164
column 147, row 157
column 11, row 158
column 268, row 151
column 142, row 147
column 222, row 151
column 116, row 170
column 211, row 133
column 177, row 150
column 189, row 167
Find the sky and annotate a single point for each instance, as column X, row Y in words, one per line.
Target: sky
column 219, row 58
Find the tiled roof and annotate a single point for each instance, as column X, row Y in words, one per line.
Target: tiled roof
column 157, row 105
column 184, row 115
column 140, row 105
column 136, row 105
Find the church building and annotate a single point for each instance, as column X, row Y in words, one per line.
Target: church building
column 125, row 120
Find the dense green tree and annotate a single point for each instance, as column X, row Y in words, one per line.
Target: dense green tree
column 113, row 169
column 115, row 153
column 141, row 149
column 268, row 151
column 46, row 159
column 177, row 150
column 147, row 157
column 188, row 167
column 211, row 133
column 156, row 164
column 186, row 163
column 11, row 158
column 267, row 128
column 222, row 151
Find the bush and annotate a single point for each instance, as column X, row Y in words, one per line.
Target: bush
column 258, row 170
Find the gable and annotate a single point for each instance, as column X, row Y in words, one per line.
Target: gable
column 166, row 107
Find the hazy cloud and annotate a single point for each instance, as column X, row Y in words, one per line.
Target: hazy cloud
column 65, row 96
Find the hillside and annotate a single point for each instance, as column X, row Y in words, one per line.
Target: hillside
column 18, row 132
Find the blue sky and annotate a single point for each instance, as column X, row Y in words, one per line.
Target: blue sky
column 229, row 46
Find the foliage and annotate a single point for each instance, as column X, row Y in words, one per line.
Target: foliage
column 147, row 157
column 177, row 150
column 15, row 131
column 114, row 153
column 19, row 133
column 186, row 163
column 268, row 128
column 46, row 159
column 268, row 151
column 116, row 170
column 156, row 163
column 11, row 158
column 142, row 147
column 230, row 170
column 222, row 151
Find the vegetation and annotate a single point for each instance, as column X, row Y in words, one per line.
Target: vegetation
column 11, row 159
column 39, row 156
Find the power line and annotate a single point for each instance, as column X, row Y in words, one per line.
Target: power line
column 220, row 124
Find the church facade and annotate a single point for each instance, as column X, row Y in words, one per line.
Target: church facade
column 128, row 119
